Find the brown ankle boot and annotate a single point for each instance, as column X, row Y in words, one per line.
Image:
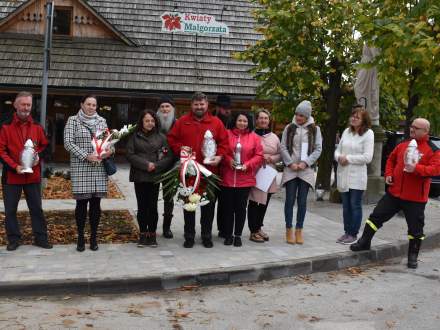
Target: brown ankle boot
column 298, row 236
column 290, row 239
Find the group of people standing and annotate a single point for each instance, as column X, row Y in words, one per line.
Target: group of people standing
column 154, row 148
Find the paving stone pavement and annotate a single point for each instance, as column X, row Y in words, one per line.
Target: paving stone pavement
column 172, row 265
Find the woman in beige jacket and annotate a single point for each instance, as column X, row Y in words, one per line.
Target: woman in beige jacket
column 258, row 199
column 301, row 146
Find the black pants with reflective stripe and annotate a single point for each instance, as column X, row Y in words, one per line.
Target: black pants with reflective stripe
column 11, row 197
column 389, row 205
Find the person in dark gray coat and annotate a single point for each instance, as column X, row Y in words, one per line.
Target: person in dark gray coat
column 149, row 156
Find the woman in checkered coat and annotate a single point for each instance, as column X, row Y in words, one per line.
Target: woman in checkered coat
column 89, row 179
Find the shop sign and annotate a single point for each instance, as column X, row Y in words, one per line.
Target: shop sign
column 192, row 23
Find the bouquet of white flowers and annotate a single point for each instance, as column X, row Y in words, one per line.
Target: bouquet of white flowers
column 104, row 140
column 123, row 132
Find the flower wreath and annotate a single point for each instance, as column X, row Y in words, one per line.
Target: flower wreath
column 193, row 183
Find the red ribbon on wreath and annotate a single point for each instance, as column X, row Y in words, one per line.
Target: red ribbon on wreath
column 187, row 158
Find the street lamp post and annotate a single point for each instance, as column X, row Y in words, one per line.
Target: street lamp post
column 46, row 64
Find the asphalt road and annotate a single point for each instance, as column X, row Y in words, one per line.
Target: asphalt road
column 385, row 296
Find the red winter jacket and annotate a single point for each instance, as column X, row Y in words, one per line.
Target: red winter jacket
column 251, row 156
column 188, row 131
column 13, row 136
column 414, row 186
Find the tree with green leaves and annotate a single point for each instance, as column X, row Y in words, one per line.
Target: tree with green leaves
column 408, row 36
column 308, row 51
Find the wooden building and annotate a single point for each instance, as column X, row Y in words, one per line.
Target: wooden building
column 127, row 54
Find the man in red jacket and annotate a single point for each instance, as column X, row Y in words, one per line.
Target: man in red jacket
column 189, row 131
column 408, row 190
column 13, row 136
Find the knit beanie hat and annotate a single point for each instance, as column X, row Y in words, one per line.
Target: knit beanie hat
column 166, row 99
column 304, row 108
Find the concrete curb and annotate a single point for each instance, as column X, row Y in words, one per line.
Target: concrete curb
column 233, row 275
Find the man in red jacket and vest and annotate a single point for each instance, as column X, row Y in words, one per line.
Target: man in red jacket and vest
column 13, row 136
column 408, row 190
column 189, row 130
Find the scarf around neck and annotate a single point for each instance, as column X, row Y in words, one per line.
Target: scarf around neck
column 89, row 121
column 262, row 131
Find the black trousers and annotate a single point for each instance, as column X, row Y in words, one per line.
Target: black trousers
column 389, row 205
column 147, row 194
column 168, row 207
column 206, row 218
column 220, row 221
column 256, row 213
column 11, row 197
column 234, row 201
column 94, row 214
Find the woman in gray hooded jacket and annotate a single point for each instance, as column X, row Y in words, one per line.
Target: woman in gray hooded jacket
column 301, row 146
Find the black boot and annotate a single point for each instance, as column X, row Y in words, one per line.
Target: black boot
column 413, row 252
column 93, row 243
column 80, row 224
column 167, row 233
column 81, row 243
column 207, row 241
column 364, row 243
column 189, row 241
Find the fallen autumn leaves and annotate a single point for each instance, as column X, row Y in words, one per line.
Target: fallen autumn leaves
column 116, row 226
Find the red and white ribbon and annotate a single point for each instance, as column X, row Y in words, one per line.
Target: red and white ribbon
column 187, row 158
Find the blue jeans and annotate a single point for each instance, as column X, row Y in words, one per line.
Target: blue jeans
column 296, row 189
column 352, row 211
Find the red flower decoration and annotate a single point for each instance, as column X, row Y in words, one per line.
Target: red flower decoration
column 172, row 22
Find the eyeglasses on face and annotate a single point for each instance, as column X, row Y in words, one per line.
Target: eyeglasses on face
column 416, row 128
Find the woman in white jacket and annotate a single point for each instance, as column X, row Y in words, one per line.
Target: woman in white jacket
column 354, row 152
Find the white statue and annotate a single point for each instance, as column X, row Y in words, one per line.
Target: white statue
column 209, row 147
column 27, row 157
column 366, row 88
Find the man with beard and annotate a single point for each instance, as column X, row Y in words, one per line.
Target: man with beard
column 189, row 130
column 166, row 112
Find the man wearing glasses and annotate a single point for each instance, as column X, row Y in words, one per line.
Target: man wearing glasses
column 408, row 190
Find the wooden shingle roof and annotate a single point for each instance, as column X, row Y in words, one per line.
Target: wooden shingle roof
column 160, row 61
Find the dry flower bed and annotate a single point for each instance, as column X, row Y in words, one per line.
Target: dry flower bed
column 115, row 227
column 58, row 187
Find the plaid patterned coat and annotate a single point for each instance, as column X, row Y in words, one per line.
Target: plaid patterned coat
column 86, row 177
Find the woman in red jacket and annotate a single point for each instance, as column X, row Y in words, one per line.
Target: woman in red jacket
column 238, row 176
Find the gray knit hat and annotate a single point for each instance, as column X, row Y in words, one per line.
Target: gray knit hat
column 304, row 108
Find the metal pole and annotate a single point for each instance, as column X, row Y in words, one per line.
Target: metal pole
column 46, row 64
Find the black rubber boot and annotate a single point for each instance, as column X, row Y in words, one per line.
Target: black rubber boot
column 413, row 252
column 364, row 243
